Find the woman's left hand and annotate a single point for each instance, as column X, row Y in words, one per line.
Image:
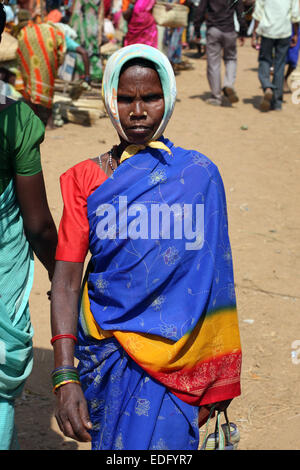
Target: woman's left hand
column 71, row 413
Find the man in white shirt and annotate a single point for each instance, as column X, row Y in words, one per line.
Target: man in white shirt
column 275, row 22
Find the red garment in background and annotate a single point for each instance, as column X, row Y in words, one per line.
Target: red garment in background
column 107, row 6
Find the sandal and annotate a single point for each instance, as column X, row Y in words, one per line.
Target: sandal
column 184, row 65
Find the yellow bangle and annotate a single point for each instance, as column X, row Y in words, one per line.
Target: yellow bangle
column 64, row 383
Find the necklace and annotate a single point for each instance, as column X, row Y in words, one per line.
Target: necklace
column 110, row 160
column 112, row 151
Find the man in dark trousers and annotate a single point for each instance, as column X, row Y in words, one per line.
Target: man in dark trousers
column 221, row 37
column 277, row 24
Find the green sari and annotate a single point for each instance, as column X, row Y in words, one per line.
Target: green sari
column 21, row 133
column 86, row 18
column 16, row 277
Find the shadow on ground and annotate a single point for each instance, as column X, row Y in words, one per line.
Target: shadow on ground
column 35, row 409
column 254, row 100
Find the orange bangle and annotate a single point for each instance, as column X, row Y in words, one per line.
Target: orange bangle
column 63, row 336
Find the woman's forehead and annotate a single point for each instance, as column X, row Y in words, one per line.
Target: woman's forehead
column 140, row 76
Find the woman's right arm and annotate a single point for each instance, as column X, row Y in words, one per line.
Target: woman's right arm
column 71, row 408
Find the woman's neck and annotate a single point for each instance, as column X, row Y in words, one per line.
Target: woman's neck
column 123, row 144
column 121, row 147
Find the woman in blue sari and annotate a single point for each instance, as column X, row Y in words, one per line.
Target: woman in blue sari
column 26, row 227
column 154, row 323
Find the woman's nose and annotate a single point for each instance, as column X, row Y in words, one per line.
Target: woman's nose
column 138, row 110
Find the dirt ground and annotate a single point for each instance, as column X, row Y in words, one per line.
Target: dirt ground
column 259, row 158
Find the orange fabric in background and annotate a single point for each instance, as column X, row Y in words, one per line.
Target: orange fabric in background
column 40, row 52
column 125, row 5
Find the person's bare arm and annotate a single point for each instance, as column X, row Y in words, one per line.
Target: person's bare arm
column 39, row 227
column 199, row 16
column 86, row 61
column 294, row 39
column 239, row 9
column 254, row 35
column 71, row 409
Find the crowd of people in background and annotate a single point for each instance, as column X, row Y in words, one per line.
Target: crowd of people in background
column 51, row 32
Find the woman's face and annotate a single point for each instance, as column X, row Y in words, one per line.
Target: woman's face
column 140, row 103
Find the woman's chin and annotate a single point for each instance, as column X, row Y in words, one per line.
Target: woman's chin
column 139, row 136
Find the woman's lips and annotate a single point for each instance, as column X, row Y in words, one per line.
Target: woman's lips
column 139, row 129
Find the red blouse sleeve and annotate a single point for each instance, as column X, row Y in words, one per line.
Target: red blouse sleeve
column 77, row 184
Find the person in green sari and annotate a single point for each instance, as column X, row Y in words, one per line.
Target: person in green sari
column 26, row 227
column 87, row 20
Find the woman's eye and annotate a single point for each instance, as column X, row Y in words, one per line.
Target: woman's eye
column 152, row 98
column 124, row 99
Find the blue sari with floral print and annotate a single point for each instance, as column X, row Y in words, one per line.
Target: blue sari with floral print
column 153, row 279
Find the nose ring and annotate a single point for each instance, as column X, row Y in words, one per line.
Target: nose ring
column 144, row 114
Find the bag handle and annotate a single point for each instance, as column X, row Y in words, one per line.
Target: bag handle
column 211, row 411
column 219, row 433
column 228, row 432
column 220, row 438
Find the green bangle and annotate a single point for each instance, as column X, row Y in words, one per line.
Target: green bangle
column 62, row 377
column 64, row 374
